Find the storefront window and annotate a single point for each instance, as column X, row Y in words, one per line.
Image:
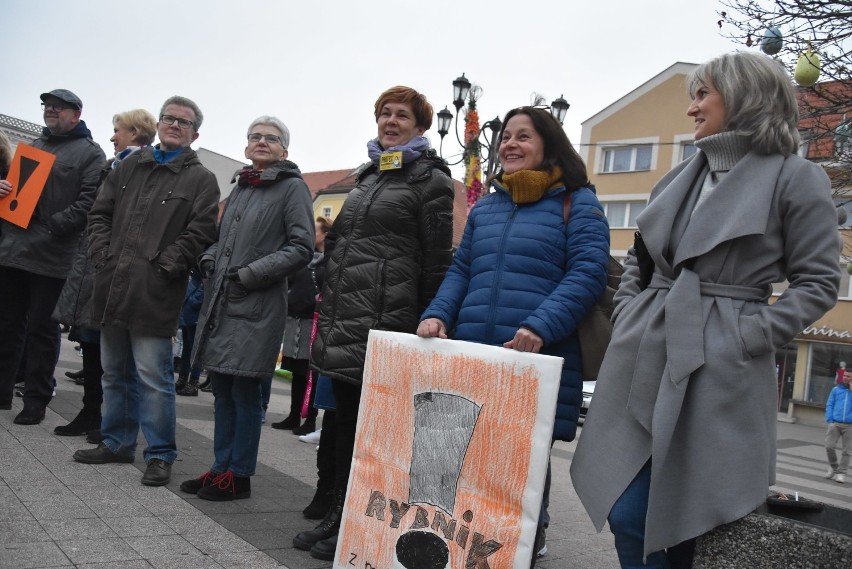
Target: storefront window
column 824, row 363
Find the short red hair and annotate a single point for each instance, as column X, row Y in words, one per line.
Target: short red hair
column 406, row 95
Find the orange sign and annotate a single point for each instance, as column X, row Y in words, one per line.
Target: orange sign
column 28, row 175
column 450, row 457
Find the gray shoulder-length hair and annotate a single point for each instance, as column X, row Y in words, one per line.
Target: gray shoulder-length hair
column 275, row 123
column 760, row 100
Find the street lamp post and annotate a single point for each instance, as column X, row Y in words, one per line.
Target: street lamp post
column 479, row 146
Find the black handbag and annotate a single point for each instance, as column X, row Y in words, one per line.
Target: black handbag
column 595, row 329
column 643, row 260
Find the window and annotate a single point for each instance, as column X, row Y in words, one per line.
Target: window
column 822, row 371
column 627, row 158
column 845, row 282
column 623, row 214
column 686, row 150
column 326, row 212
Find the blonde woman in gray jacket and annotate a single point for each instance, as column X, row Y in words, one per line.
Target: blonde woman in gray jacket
column 685, row 441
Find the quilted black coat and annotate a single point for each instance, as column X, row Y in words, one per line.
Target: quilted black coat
column 387, row 253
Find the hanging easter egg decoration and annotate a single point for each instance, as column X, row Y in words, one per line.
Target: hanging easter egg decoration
column 772, row 41
column 807, row 69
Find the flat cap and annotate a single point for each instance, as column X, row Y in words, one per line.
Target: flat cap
column 64, row 95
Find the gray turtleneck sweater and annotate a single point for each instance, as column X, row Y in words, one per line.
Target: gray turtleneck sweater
column 723, row 151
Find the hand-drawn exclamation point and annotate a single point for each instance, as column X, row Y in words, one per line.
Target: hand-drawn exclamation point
column 28, row 166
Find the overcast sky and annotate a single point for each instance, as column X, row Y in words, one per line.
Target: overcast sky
column 319, row 65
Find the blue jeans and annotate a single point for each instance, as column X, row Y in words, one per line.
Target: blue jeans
column 627, row 523
column 236, row 433
column 139, row 391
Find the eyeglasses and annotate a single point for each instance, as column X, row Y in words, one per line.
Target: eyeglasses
column 182, row 123
column 269, row 138
column 57, row 107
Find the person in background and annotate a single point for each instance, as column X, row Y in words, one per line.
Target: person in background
column 387, row 252
column 132, row 131
column 187, row 382
column 266, row 235
column 296, row 346
column 36, row 260
column 5, row 156
column 552, row 263
column 154, row 215
column 685, row 440
column 838, row 415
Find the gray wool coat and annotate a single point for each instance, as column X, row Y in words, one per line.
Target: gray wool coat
column 268, row 233
column 689, row 377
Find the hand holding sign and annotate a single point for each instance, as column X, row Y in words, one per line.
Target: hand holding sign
column 27, row 177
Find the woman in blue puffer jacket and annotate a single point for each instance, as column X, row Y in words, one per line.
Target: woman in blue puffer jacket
column 522, row 277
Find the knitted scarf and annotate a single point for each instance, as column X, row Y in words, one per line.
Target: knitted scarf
column 411, row 150
column 528, row 186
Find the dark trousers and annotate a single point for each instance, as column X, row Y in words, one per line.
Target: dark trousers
column 300, row 370
column 348, row 397
column 28, row 301
column 188, row 336
column 327, row 452
column 93, row 391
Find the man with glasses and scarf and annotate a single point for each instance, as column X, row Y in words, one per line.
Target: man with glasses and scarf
column 36, row 260
column 154, row 215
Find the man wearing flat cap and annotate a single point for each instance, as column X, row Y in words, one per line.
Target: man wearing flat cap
column 34, row 262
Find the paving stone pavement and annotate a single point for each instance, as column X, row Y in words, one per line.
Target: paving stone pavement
column 59, row 513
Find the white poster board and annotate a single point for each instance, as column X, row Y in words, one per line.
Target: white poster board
column 451, row 453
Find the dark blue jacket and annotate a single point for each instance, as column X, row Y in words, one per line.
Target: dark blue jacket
column 519, row 266
column 192, row 301
column 838, row 408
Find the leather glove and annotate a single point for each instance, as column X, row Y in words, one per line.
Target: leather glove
column 233, row 274
column 207, row 268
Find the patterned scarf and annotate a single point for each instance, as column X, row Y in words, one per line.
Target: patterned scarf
column 411, row 150
column 250, row 177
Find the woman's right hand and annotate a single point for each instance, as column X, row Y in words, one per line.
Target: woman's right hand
column 432, row 328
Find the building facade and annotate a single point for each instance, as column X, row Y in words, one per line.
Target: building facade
column 629, row 145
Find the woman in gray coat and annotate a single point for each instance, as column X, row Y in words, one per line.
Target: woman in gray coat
column 266, row 235
column 680, row 436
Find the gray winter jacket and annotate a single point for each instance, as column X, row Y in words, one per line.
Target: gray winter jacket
column 48, row 245
column 689, row 378
column 266, row 234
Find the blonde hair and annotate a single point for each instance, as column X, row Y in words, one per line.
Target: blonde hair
column 140, row 121
column 5, row 153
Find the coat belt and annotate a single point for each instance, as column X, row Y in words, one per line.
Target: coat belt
column 684, row 336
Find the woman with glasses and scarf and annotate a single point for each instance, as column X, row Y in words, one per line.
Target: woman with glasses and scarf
column 386, row 254
column 266, row 235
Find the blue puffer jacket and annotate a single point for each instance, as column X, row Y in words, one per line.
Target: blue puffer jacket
column 838, row 408
column 517, row 265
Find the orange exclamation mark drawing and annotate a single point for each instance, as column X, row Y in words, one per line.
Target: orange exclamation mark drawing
column 28, row 175
column 28, row 166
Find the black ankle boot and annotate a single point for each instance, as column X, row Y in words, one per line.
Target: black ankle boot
column 321, row 503
column 325, row 549
column 309, row 427
column 190, row 389
column 291, row 422
column 85, row 421
column 327, row 528
column 181, row 382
